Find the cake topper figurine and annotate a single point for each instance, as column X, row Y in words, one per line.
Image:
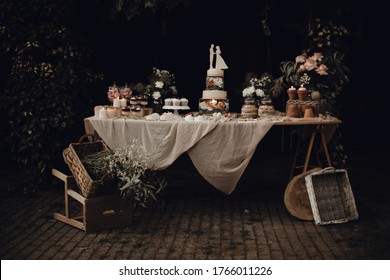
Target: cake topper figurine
column 211, row 56
column 219, row 63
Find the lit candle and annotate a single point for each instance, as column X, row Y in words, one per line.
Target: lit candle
column 103, row 113
column 117, row 103
column 123, row 102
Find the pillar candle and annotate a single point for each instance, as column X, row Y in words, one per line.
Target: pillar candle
column 97, row 110
column 123, row 102
column 103, row 113
column 117, row 103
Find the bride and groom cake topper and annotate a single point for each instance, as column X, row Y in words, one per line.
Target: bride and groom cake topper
column 219, row 62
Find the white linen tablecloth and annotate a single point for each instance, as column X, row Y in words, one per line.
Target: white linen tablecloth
column 220, row 151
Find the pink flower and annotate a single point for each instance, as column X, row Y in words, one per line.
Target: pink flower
column 310, row 64
column 301, row 68
column 317, row 56
column 322, row 69
column 300, row 59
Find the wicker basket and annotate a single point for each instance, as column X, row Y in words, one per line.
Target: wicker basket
column 331, row 196
column 73, row 155
column 319, row 107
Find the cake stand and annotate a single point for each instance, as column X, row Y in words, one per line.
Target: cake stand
column 176, row 108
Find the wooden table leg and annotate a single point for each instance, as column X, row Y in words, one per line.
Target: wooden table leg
column 318, row 129
column 309, row 149
column 298, row 148
column 325, row 146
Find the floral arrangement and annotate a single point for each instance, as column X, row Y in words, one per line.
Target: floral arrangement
column 127, row 166
column 321, row 67
column 258, row 87
column 162, row 84
column 307, row 70
column 118, row 92
column 328, row 75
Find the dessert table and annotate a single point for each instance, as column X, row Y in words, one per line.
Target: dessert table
column 220, row 149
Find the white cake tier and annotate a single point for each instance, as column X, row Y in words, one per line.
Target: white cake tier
column 215, row 73
column 207, row 106
column 214, row 94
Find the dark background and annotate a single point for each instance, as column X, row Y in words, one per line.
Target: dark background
column 178, row 40
column 126, row 51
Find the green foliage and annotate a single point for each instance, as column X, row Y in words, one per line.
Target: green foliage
column 132, row 8
column 127, row 166
column 45, row 93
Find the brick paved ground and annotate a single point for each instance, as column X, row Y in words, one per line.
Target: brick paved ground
column 195, row 221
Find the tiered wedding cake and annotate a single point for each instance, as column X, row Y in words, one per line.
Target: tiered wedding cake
column 214, row 98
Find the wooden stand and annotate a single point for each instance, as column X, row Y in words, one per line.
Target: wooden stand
column 296, row 198
column 176, row 109
column 98, row 213
column 319, row 129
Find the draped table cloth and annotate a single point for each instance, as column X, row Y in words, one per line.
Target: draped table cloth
column 219, row 150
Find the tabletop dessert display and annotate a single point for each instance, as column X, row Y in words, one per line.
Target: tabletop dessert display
column 125, row 101
column 160, row 96
column 176, row 104
column 214, row 97
column 138, row 106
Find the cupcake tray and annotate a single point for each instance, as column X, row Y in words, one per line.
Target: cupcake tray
column 176, row 108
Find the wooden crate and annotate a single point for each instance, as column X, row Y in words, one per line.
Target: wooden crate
column 331, row 196
column 98, row 213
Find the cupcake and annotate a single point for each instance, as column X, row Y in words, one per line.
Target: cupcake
column 168, row 102
column 133, row 100
column 143, row 101
column 183, row 101
column 176, row 102
column 126, row 111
